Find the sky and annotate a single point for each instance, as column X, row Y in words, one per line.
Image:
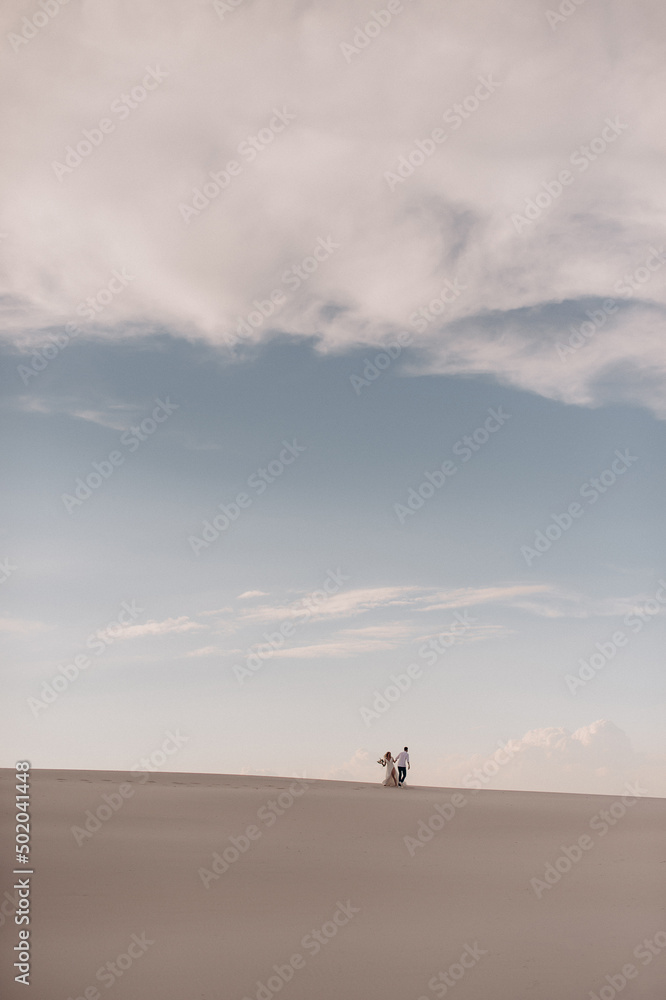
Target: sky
column 333, row 406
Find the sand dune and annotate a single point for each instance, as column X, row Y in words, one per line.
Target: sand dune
column 217, row 887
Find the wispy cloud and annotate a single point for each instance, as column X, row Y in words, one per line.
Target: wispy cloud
column 212, row 651
column 470, row 596
column 340, row 648
column 400, row 614
column 114, row 415
column 560, row 603
column 354, row 642
column 169, row 626
column 387, row 631
column 476, row 632
column 543, row 600
column 343, row 605
column 20, row 626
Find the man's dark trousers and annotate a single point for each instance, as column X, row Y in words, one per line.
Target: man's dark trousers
column 402, row 774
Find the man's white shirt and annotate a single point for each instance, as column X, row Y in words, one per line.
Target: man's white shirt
column 402, row 759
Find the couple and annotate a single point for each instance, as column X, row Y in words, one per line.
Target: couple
column 389, row 762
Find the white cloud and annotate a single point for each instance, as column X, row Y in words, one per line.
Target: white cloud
column 336, row 648
column 469, row 633
column 353, row 642
column 20, row 626
column 597, row 758
column 212, row 651
column 354, row 768
column 202, row 651
column 115, row 416
column 153, row 628
column 387, row 630
column 348, row 642
column 324, row 175
column 543, row 600
column 560, row 603
column 252, row 593
column 346, row 604
column 469, row 596
column 420, row 618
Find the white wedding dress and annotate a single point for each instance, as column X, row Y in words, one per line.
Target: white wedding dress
column 392, row 775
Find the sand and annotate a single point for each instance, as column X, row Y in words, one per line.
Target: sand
column 322, row 896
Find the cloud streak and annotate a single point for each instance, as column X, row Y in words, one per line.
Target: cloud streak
column 169, row 626
column 543, row 600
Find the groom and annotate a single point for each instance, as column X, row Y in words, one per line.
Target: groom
column 402, row 760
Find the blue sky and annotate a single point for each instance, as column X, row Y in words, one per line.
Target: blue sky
column 331, row 510
column 439, row 428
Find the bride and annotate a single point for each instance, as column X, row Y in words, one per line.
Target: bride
column 388, row 762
